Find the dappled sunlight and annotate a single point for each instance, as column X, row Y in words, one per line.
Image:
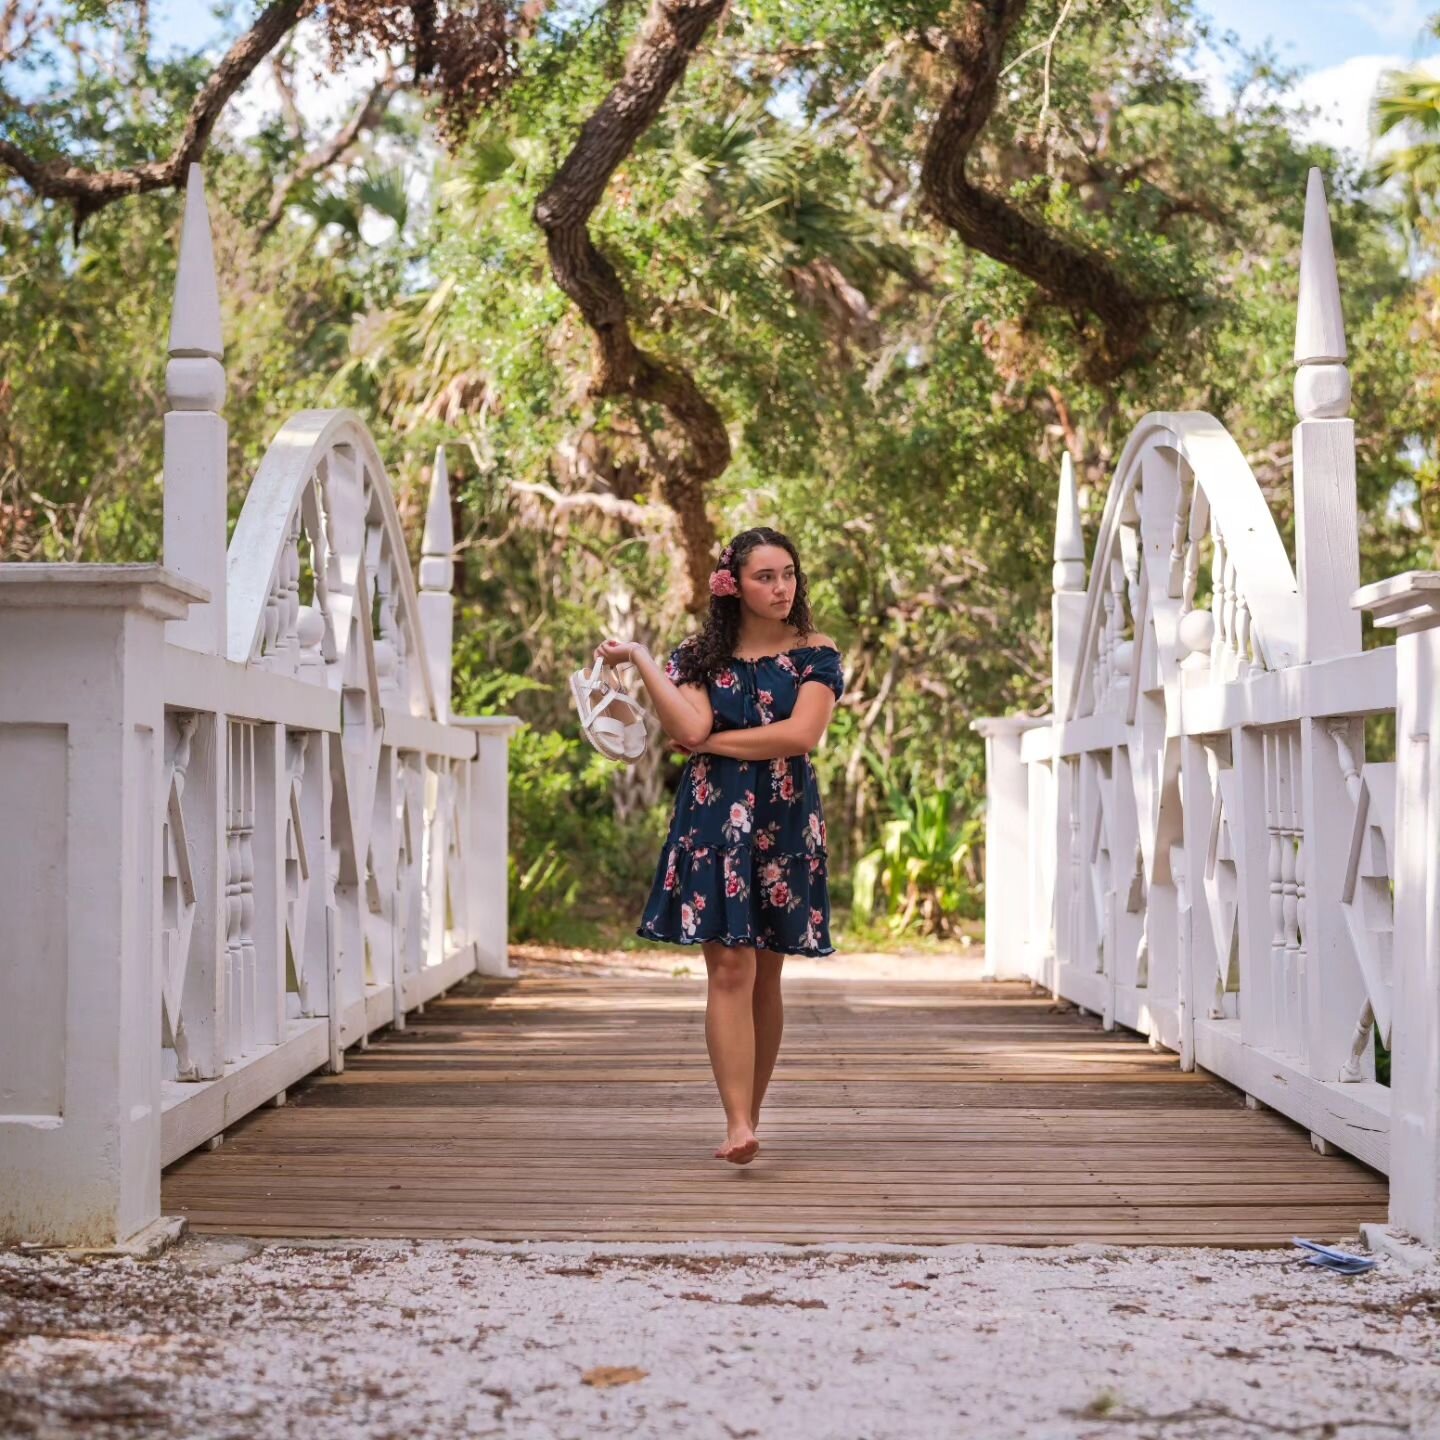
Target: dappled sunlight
column 585, row 1108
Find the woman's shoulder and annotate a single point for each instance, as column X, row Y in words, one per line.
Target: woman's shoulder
column 817, row 641
column 681, row 657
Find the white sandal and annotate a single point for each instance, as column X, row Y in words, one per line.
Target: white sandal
column 611, row 719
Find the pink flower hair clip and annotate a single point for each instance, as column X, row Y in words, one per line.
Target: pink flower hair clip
column 722, row 580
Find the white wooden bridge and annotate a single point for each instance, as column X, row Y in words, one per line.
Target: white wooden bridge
column 242, row 828
column 1206, row 847
column 244, row 832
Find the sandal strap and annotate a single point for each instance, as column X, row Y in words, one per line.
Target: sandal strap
column 608, row 727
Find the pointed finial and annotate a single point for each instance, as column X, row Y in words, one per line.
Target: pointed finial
column 195, row 318
column 437, row 569
column 1069, row 571
column 1322, row 383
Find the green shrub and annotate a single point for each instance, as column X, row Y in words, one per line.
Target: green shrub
column 924, row 865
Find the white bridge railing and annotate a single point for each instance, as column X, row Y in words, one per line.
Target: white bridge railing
column 242, row 828
column 1210, row 852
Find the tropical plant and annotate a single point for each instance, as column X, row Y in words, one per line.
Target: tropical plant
column 924, row 864
column 540, row 893
column 1408, row 101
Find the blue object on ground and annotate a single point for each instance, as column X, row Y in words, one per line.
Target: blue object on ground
column 1341, row 1261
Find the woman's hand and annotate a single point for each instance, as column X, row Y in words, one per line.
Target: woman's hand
column 618, row 652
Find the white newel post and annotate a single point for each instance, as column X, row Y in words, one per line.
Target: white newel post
column 1410, row 604
column 1327, row 570
column 1007, row 842
column 195, row 431
column 487, row 841
column 81, row 752
column 437, row 580
column 1067, row 604
column 1067, row 624
column 1327, row 554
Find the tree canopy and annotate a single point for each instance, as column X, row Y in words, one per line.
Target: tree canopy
column 859, row 270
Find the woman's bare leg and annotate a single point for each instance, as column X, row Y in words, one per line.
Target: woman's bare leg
column 769, row 1012
column 730, row 1039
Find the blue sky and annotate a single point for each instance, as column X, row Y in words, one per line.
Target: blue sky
column 1323, row 33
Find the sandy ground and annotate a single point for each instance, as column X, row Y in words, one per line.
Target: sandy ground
column 223, row 1338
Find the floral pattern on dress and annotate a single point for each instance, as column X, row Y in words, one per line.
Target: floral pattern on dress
column 744, row 862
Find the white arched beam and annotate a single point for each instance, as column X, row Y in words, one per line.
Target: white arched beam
column 1236, row 506
column 337, row 444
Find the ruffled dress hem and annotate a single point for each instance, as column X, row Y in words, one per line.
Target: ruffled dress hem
column 732, row 940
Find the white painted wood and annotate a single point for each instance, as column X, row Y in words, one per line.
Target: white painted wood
column 1067, row 605
column 196, row 517
column 1354, row 1117
column 1176, row 450
column 1411, row 605
column 486, row 821
column 323, row 469
column 251, row 846
column 198, row 1028
column 194, row 1112
column 1359, row 685
column 1210, row 852
column 81, row 722
column 437, row 580
column 1327, row 554
column 1007, row 824
column 453, row 739
column 1335, row 981
column 212, row 683
column 1319, row 322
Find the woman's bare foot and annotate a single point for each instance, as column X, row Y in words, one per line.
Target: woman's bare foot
column 740, row 1147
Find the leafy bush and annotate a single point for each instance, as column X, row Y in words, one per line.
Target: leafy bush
column 575, row 873
column 925, row 862
column 541, row 894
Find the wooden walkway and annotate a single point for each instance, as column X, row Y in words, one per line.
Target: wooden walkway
column 912, row 1112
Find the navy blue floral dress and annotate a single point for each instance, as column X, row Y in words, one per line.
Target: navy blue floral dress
column 744, row 862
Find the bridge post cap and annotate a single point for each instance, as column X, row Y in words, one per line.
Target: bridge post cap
column 1401, row 601
column 437, row 545
column 195, row 314
column 1068, row 574
column 439, row 537
column 155, row 589
column 988, row 725
column 1319, row 320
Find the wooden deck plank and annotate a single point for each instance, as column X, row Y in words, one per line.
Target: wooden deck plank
column 905, row 1112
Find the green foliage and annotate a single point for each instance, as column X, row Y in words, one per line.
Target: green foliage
column 896, row 403
column 541, row 893
column 923, row 865
column 1409, row 101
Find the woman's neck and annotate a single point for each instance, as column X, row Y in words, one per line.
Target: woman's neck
column 765, row 635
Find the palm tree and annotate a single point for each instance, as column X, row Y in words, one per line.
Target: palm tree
column 1409, row 101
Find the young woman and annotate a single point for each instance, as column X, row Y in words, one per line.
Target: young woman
column 742, row 871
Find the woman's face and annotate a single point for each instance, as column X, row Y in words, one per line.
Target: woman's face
column 767, row 581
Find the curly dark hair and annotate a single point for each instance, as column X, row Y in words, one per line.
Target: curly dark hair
column 714, row 647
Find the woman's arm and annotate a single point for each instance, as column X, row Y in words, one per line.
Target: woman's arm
column 798, row 735
column 683, row 710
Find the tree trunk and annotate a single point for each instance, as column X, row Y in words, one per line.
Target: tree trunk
column 698, row 449
column 1079, row 279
